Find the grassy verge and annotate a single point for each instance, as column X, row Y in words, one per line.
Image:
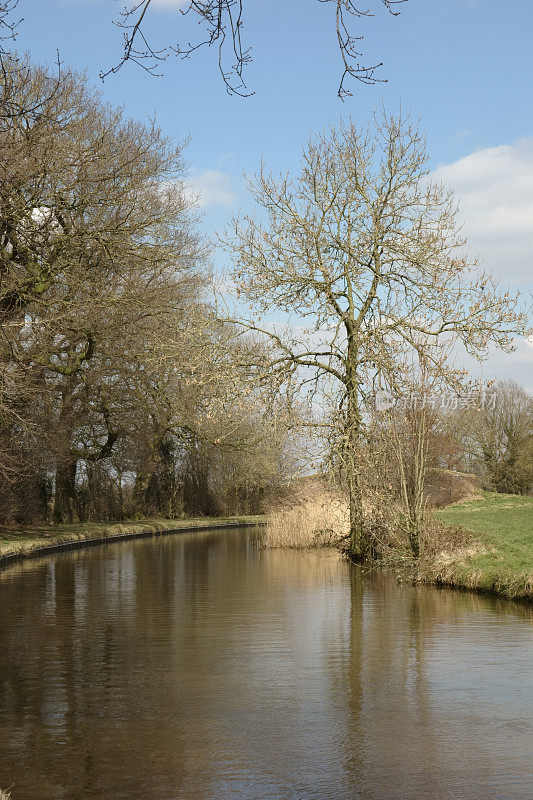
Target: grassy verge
column 499, row 557
column 24, row 542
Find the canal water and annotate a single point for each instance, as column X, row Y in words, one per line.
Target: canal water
column 200, row 667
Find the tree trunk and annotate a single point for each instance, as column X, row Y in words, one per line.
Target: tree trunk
column 359, row 543
column 359, row 540
column 145, row 474
column 140, row 489
column 411, row 452
column 65, row 492
column 120, row 494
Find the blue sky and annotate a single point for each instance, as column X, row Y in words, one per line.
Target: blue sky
column 463, row 66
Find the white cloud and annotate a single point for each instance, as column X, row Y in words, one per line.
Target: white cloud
column 211, row 187
column 170, row 3
column 165, row 4
column 495, row 190
column 516, row 366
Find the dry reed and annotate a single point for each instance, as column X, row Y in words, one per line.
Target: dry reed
column 316, row 518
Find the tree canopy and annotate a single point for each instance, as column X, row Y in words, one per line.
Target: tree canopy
column 114, row 368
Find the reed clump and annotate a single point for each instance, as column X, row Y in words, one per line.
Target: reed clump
column 315, row 516
column 4, row 795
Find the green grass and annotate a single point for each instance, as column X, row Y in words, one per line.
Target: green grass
column 23, row 542
column 501, row 556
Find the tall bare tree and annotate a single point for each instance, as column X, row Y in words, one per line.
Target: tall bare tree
column 364, row 250
column 114, row 368
column 99, row 254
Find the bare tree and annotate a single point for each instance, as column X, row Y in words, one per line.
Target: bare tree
column 8, row 23
column 222, row 21
column 113, row 362
column 10, row 105
column 498, row 434
column 98, row 253
column 364, row 250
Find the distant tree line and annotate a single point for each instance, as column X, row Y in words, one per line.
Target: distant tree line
column 495, row 440
column 426, row 454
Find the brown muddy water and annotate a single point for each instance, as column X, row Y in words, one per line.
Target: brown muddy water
column 199, row 667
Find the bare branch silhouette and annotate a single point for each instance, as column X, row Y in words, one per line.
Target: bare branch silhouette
column 221, row 22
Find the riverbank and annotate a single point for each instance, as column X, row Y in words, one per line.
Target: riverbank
column 483, row 544
column 499, row 557
column 37, row 540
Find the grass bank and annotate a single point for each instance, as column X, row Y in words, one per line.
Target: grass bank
column 16, row 544
column 485, row 543
column 499, row 557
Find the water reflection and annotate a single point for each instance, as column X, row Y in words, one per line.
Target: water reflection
column 198, row 667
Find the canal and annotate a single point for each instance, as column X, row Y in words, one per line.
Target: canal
column 201, row 667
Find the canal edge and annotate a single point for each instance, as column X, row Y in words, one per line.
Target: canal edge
column 77, row 544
